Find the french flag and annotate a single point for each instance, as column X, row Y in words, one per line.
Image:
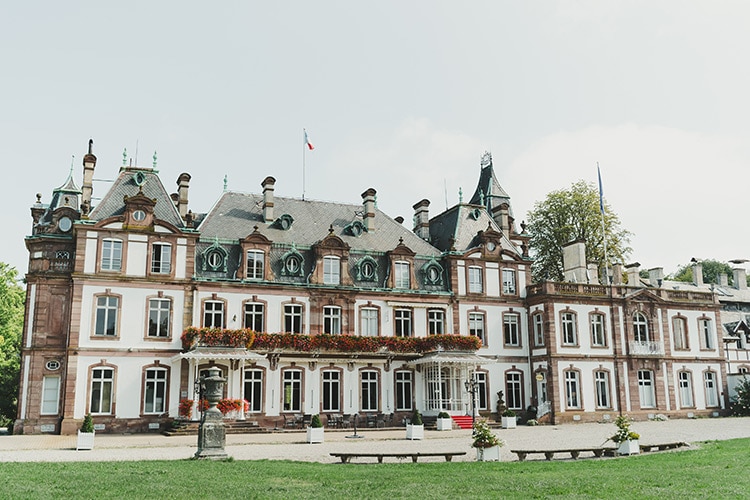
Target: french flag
column 307, row 141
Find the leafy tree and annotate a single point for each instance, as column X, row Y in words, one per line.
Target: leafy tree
column 742, row 405
column 573, row 214
column 11, row 325
column 711, row 271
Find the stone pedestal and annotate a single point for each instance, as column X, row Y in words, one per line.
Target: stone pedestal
column 211, row 433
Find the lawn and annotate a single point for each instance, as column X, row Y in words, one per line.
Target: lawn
column 718, row 469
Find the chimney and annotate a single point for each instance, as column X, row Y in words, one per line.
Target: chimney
column 617, row 274
column 505, row 218
column 656, row 276
column 740, row 278
column 422, row 219
column 183, row 183
column 722, row 279
column 697, row 273
column 368, row 199
column 574, row 262
column 593, row 273
column 267, row 185
column 633, row 272
column 89, row 163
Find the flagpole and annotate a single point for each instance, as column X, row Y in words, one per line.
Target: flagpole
column 304, row 145
column 604, row 234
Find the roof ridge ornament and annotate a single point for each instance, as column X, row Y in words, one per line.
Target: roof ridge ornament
column 486, row 160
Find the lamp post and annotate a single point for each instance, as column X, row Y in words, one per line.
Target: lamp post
column 471, row 388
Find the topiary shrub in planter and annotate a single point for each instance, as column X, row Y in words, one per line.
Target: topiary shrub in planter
column 86, row 433
column 486, row 443
column 508, row 419
column 315, row 431
column 444, row 422
column 415, row 429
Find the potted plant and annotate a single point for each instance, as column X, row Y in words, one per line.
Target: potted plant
column 444, row 422
column 415, row 429
column 486, row 443
column 626, row 439
column 86, row 434
column 508, row 420
column 315, row 430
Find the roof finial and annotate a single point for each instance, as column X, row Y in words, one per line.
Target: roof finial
column 124, row 156
column 91, row 146
column 486, row 160
column 460, row 196
column 154, row 164
column 73, row 159
column 225, row 182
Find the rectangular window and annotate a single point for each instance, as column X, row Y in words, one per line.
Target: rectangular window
column 292, row 318
column 402, row 275
column 569, row 333
column 254, row 319
column 255, row 260
column 102, row 380
column 161, row 258
column 598, row 338
column 481, row 387
column 331, row 390
column 369, row 391
column 159, row 312
column 476, row 326
column 332, row 320
column 403, row 391
column 509, row 281
column 679, row 330
column 213, row 314
column 686, row 389
column 538, row 324
column 511, row 336
column 331, row 270
column 646, row 388
column 368, row 322
column 572, row 386
column 156, row 391
column 709, row 382
column 435, row 321
column 254, row 390
column 106, row 316
column 475, row 280
column 292, row 387
column 50, row 395
column 514, row 390
column 402, row 319
column 601, row 380
column 707, row 334
column 111, row 255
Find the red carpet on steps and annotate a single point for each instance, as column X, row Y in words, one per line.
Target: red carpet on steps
column 462, row 421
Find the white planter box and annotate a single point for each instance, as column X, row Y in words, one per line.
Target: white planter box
column 629, row 448
column 414, row 431
column 315, row 434
column 491, row 454
column 508, row 422
column 85, row 441
column 445, row 424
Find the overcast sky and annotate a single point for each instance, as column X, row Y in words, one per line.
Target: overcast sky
column 402, row 96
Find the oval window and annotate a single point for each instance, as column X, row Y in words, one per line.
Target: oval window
column 52, row 365
column 368, row 270
column 139, row 215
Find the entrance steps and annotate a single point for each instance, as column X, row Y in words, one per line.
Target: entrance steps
column 462, row 421
column 230, row 427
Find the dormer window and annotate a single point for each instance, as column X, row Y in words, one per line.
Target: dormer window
column 433, row 273
column 355, row 228
column 292, row 264
column 139, row 215
column 255, row 260
column 331, row 270
column 284, row 222
column 366, row 269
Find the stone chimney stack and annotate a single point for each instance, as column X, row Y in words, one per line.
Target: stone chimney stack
column 617, row 274
column 697, row 273
column 505, row 218
column 574, row 262
column 656, row 276
column 722, row 279
column 740, row 278
column 633, row 272
column 422, row 219
column 593, row 273
column 89, row 163
column 183, row 183
column 368, row 200
column 268, row 186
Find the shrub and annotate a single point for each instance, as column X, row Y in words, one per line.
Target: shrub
column 532, row 422
column 443, row 414
column 315, row 421
column 483, row 436
column 88, row 424
column 742, row 405
column 623, row 430
column 509, row 413
column 416, row 418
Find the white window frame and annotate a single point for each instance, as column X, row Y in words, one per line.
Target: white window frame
column 537, row 320
column 601, row 381
column 401, row 275
column 102, row 390
column 685, row 385
column 572, row 389
column 332, row 320
column 511, row 329
column 707, row 333
column 291, row 397
column 159, row 318
column 213, row 313
column 646, row 389
column 679, row 333
column 404, row 390
column 155, row 391
column 569, row 324
column 107, row 312
column 254, row 316
column 477, row 326
column 368, row 321
column 50, row 395
column 111, row 254
column 331, row 270
column 331, row 387
column 161, row 258
column 598, row 330
column 255, row 264
column 293, row 316
column 476, row 283
column 254, row 396
column 514, row 390
column 369, row 388
column 711, row 388
column 403, row 322
column 435, row 322
column 509, row 282
column 640, row 328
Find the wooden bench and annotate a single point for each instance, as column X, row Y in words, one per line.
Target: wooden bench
column 663, row 446
column 598, row 451
column 346, row 457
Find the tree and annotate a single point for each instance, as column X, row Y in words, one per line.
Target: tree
column 573, row 214
column 711, row 271
column 11, row 325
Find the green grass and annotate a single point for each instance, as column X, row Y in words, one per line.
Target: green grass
column 717, row 470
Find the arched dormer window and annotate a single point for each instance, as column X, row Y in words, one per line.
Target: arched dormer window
column 366, row 269
column 355, row 228
column 292, row 263
column 284, row 222
column 432, row 273
column 214, row 258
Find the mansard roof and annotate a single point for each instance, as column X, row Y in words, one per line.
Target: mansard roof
column 236, row 214
column 133, row 181
column 457, row 229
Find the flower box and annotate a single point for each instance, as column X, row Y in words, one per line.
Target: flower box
column 315, row 434
column 445, row 424
column 629, row 447
column 508, row 422
column 491, row 454
column 414, row 431
column 85, row 441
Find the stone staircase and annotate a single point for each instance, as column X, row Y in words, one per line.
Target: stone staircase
column 230, row 426
column 462, row 421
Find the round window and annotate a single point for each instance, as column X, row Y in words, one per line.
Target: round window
column 215, row 260
column 368, row 269
column 65, row 224
column 433, row 274
column 292, row 264
column 139, row 215
column 52, row 365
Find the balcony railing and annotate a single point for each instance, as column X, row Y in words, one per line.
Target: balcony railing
column 638, row 348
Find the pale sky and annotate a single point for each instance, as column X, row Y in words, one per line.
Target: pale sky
column 402, row 96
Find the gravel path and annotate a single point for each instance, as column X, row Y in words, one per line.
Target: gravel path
column 292, row 446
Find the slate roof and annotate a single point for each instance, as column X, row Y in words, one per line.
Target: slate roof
column 462, row 223
column 494, row 194
column 235, row 216
column 125, row 185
